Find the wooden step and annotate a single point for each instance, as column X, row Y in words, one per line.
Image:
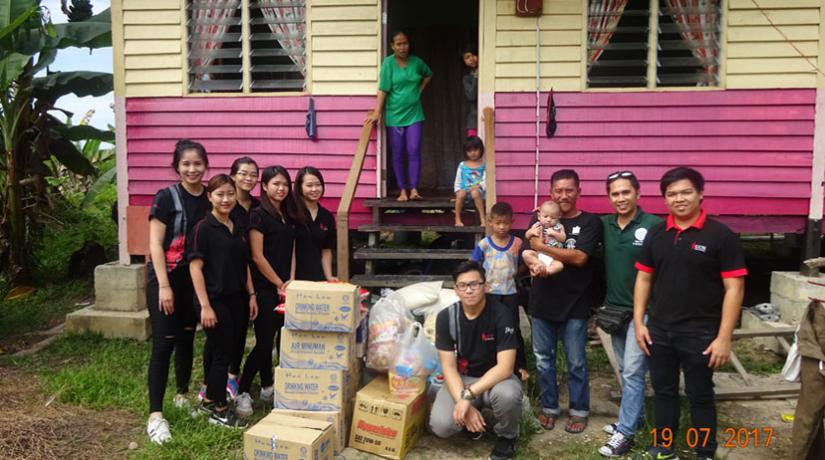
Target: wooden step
column 411, row 254
column 391, row 203
column 398, row 281
column 372, row 228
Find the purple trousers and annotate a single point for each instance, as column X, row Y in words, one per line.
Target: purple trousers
column 406, row 138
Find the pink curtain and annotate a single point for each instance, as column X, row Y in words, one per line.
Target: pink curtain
column 603, row 14
column 207, row 15
column 697, row 22
column 295, row 28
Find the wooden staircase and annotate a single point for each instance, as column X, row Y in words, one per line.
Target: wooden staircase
column 389, row 215
column 418, row 212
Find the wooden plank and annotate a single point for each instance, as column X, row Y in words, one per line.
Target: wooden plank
column 787, row 80
column 142, row 47
column 151, row 17
column 421, row 228
column 529, row 84
column 345, row 205
column 117, row 49
column 718, row 99
column 360, row 43
column 774, row 66
column 547, row 37
column 725, row 393
column 546, row 22
column 764, row 332
column 769, row 34
column 571, row 53
column 618, row 113
column 548, row 70
column 507, row 8
column 411, row 254
column 779, row 17
column 137, row 225
column 772, row 4
column 345, row 13
column 607, row 344
column 336, row 59
column 399, row 281
column 740, row 369
column 153, row 5
column 663, row 158
column 153, row 32
column 338, row 88
column 389, row 203
column 344, row 28
column 346, row 74
column 769, row 50
column 154, row 89
column 157, row 61
column 154, row 76
column 322, row 3
column 667, row 128
column 489, row 120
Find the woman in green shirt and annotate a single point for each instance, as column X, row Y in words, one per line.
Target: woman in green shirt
column 402, row 80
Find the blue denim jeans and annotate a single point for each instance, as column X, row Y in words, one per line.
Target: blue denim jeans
column 573, row 335
column 633, row 368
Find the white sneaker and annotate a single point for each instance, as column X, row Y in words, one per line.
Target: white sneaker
column 610, row 429
column 158, row 430
column 180, row 401
column 243, row 405
column 268, row 394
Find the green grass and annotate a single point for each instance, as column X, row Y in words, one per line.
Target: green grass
column 48, row 303
column 93, row 372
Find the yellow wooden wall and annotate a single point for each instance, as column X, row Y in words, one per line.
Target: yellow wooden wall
column 514, row 40
column 147, row 43
column 758, row 56
column 345, row 36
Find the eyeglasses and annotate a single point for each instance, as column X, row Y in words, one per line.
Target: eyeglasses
column 472, row 285
column 245, row 174
column 619, row 174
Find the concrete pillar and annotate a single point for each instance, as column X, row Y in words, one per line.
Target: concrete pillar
column 791, row 292
column 120, row 304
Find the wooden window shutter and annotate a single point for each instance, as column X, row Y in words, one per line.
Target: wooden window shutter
column 214, row 46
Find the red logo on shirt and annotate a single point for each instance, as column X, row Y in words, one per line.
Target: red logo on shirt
column 462, row 365
column 487, row 337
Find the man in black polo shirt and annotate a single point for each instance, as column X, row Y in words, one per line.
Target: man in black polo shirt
column 476, row 341
column 559, row 304
column 692, row 270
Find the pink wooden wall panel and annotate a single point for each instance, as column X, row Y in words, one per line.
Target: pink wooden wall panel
column 268, row 129
column 754, row 148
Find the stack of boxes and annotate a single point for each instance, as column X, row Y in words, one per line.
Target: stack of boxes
column 319, row 371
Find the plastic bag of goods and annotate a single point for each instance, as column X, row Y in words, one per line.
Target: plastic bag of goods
column 417, row 358
column 387, row 322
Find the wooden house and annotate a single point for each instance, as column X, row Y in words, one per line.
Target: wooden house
column 731, row 87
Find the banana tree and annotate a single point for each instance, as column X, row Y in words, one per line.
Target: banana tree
column 29, row 42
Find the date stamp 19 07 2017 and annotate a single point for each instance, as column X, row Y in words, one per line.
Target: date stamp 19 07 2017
column 734, row 438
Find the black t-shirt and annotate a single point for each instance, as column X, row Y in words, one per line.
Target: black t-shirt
column 225, row 255
column 688, row 267
column 194, row 207
column 480, row 339
column 241, row 214
column 279, row 237
column 566, row 295
column 310, row 239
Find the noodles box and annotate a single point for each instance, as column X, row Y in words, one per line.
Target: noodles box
column 338, row 419
column 329, row 307
column 385, row 424
column 312, row 389
column 316, row 350
column 280, row 436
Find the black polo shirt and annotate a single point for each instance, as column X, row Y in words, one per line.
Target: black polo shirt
column 311, row 239
column 688, row 266
column 225, row 255
column 279, row 238
column 241, row 214
column 567, row 295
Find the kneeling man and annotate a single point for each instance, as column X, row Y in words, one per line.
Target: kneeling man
column 476, row 340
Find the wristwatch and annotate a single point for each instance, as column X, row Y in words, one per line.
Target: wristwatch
column 467, row 394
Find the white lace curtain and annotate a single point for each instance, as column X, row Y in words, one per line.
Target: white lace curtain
column 291, row 32
column 209, row 17
column 603, row 16
column 697, row 22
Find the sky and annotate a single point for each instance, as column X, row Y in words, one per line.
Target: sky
column 100, row 60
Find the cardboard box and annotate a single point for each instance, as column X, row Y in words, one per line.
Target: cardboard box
column 338, row 419
column 329, row 307
column 279, row 436
column 316, row 350
column 384, row 424
column 312, row 389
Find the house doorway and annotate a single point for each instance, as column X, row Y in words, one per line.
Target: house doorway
column 439, row 32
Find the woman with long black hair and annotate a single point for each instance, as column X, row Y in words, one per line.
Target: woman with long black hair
column 315, row 239
column 218, row 263
column 271, row 240
column 169, row 295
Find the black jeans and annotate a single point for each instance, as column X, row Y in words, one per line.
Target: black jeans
column 175, row 332
column 669, row 351
column 267, row 325
column 221, row 341
column 511, row 302
column 242, row 327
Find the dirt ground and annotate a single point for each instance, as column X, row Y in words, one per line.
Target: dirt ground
column 34, row 425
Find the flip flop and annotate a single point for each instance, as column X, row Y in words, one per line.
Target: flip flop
column 576, row 424
column 416, row 197
column 548, row 422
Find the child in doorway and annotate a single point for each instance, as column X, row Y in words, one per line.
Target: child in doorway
column 470, row 179
column 470, row 84
column 499, row 255
column 549, row 216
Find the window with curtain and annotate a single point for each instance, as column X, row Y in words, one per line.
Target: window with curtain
column 686, row 43
column 273, row 32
